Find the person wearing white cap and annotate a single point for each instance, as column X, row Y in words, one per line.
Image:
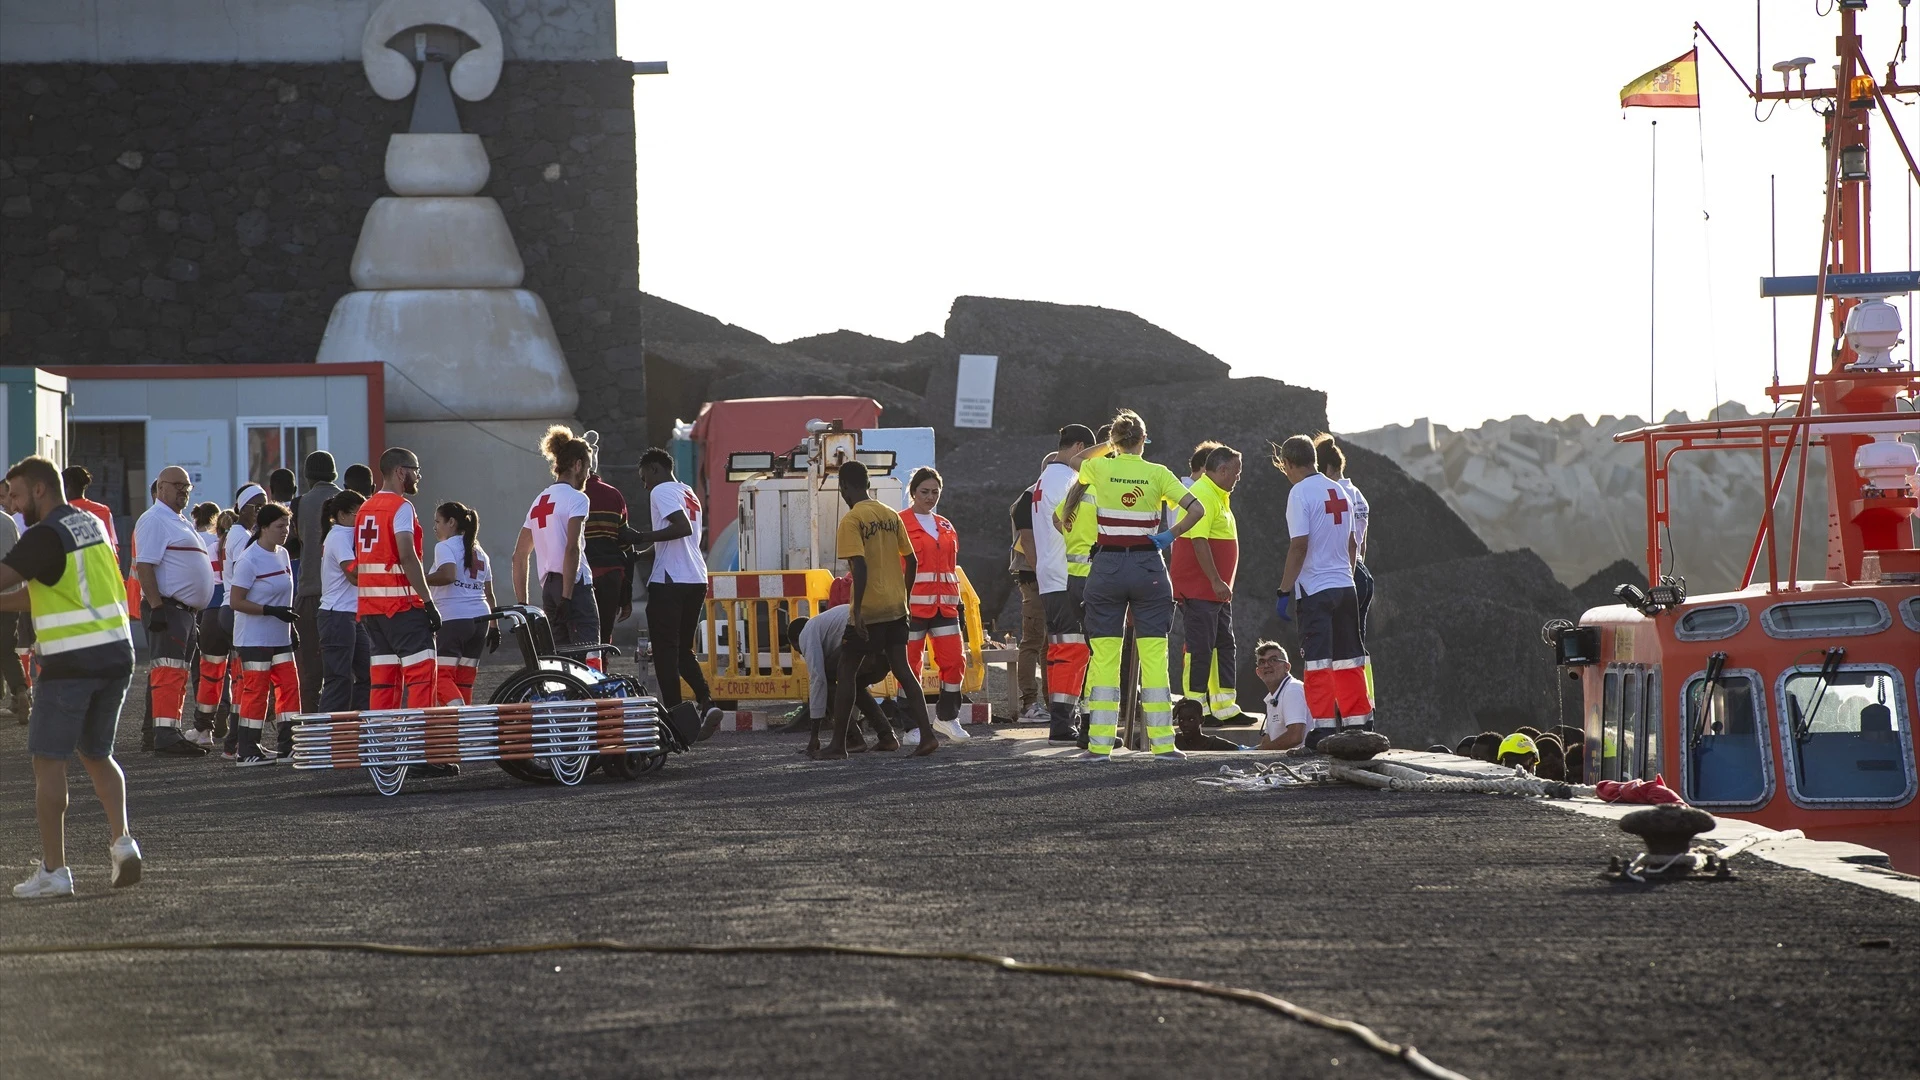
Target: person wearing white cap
column 216, row 623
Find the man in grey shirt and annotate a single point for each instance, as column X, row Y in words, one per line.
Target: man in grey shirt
column 310, row 522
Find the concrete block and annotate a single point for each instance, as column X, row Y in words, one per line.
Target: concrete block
column 467, row 354
column 436, row 243
column 439, row 164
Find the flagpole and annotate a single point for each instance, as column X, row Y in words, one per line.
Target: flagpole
column 1653, row 236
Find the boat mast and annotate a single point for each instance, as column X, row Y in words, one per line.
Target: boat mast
column 1849, row 250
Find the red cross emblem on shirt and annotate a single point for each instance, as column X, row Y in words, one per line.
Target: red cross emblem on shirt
column 542, row 510
column 692, row 506
column 1336, row 506
column 369, row 534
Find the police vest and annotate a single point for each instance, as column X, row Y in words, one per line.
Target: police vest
column 384, row 589
column 936, row 560
column 87, row 608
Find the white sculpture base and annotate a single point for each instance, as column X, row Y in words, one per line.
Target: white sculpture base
column 456, row 353
column 436, row 242
column 493, row 466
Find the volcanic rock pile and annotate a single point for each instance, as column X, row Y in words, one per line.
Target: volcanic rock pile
column 1455, row 638
column 1568, row 491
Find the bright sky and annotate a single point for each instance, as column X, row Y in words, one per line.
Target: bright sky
column 1423, row 209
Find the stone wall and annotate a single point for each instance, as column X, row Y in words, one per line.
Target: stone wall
column 257, row 31
column 207, row 213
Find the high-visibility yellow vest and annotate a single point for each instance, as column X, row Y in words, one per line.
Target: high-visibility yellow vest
column 1080, row 537
column 87, row 607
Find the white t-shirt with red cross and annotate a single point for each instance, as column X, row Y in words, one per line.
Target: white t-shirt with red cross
column 547, row 519
column 1318, row 509
column 678, row 560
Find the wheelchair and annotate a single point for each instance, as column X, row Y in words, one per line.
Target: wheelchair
column 527, row 727
column 551, row 672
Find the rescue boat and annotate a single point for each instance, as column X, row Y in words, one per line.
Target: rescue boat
column 1789, row 702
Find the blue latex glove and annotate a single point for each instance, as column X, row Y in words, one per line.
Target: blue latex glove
column 1162, row 539
column 1280, row 604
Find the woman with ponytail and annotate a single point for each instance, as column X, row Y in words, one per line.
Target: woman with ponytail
column 462, row 584
column 554, row 539
column 262, row 581
column 1129, row 577
column 346, row 651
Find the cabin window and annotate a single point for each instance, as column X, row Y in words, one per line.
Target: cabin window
column 1633, row 719
column 1846, row 735
column 1910, row 613
column 1711, row 623
column 1610, row 726
column 1819, row 618
column 1650, row 735
column 1725, row 761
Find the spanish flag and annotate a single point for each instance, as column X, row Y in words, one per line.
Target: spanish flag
column 1673, row 85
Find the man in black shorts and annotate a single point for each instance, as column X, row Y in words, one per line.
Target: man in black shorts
column 875, row 545
column 78, row 604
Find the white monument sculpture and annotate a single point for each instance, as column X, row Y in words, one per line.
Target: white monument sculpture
column 474, row 371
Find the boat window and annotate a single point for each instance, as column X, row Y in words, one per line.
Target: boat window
column 1814, row 618
column 1726, row 752
column 1650, row 737
column 1610, row 727
column 1633, row 717
column 1910, row 613
column 1711, row 623
column 1846, row 735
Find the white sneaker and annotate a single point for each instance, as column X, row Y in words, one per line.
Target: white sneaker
column 1170, row 755
column 46, row 883
column 1036, row 714
column 198, row 737
column 950, row 730
column 126, row 861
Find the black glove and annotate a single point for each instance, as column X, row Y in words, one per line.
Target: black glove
column 433, row 618
column 284, row 614
column 493, row 637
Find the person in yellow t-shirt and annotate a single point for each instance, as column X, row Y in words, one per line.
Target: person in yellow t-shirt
column 880, row 557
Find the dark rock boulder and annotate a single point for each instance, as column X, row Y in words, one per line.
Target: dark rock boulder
column 1597, row 591
column 1456, row 648
column 692, row 359
column 1060, row 361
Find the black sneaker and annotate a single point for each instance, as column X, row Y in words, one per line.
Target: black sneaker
column 433, row 770
column 1058, row 736
column 178, row 746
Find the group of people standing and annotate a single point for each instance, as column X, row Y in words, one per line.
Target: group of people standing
column 1117, row 544
column 328, row 604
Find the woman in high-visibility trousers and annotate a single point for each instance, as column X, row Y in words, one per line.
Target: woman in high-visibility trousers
column 1129, row 574
column 933, row 601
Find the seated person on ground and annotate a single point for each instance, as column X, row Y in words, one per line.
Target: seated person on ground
column 1187, row 736
column 1287, row 715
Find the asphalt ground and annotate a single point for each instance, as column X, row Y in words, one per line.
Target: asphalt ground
column 1472, row 927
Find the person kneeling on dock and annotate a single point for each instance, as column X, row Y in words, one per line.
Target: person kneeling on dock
column 818, row 640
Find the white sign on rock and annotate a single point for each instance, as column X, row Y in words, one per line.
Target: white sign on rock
column 973, row 393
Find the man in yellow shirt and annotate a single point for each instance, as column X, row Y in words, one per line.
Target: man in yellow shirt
column 1203, row 567
column 880, row 557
